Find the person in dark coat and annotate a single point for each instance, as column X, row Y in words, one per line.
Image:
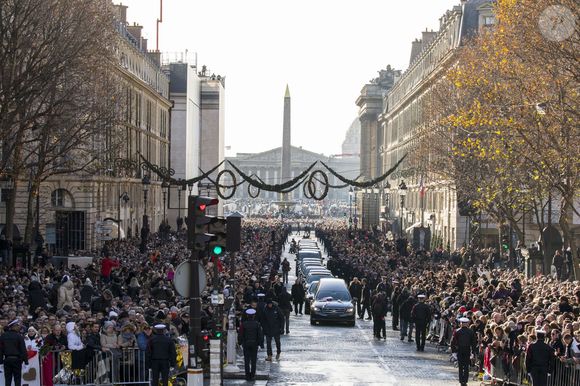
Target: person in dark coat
column 421, row 316
column 464, row 344
column 405, row 316
column 271, row 321
column 36, row 296
column 395, row 307
column 365, row 300
column 286, row 308
column 13, row 353
column 379, row 308
column 355, row 289
column 539, row 360
column 87, row 292
column 161, row 355
column 298, row 295
column 251, row 336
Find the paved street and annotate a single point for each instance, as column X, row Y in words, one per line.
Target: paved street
column 339, row 355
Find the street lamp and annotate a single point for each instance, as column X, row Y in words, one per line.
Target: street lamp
column 356, row 190
column 125, row 198
column 190, row 187
column 386, row 190
column 402, row 194
column 350, row 194
column 164, row 187
column 146, row 181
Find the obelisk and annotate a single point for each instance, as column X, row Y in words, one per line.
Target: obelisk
column 285, row 173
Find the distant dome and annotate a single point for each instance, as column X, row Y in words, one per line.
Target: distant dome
column 351, row 143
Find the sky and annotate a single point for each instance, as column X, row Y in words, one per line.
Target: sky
column 325, row 50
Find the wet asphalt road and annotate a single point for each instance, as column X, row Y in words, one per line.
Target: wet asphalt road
column 340, row 355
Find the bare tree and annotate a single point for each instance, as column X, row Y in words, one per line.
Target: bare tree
column 57, row 93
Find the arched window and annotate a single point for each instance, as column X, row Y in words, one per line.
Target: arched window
column 61, row 198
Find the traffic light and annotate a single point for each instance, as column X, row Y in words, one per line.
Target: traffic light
column 505, row 243
column 197, row 237
column 218, row 334
column 217, row 227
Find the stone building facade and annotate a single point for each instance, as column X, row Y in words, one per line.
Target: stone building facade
column 403, row 118
column 73, row 205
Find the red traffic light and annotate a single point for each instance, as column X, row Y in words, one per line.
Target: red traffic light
column 202, row 207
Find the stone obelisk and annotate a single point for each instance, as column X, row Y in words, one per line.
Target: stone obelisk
column 285, row 172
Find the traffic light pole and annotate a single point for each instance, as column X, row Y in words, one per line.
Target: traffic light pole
column 194, row 370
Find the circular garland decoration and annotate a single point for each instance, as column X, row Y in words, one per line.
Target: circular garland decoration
column 219, row 186
column 305, row 190
column 312, row 185
column 252, row 185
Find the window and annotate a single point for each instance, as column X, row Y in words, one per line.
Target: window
column 4, row 194
column 61, row 198
column 488, row 21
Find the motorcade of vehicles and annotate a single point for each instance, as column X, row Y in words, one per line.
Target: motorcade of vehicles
column 312, row 271
column 332, row 303
column 314, row 276
column 310, row 291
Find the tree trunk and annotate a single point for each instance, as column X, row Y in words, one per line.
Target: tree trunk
column 567, row 235
column 10, row 210
column 29, row 230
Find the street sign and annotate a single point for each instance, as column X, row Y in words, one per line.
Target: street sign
column 183, row 278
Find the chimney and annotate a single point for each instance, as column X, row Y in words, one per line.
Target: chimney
column 135, row 31
column 428, row 37
column 120, row 12
column 155, row 56
column 143, row 44
column 416, row 47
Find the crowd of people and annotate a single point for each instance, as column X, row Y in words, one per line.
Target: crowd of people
column 506, row 310
column 122, row 297
column 117, row 302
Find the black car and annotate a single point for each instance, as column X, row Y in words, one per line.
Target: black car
column 332, row 303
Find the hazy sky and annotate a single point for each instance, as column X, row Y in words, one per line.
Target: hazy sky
column 326, row 50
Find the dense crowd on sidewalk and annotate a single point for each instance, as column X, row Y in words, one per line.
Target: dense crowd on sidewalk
column 506, row 310
column 114, row 302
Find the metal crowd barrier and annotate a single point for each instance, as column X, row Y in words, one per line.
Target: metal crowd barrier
column 510, row 370
column 119, row 367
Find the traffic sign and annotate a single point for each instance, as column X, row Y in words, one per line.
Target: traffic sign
column 183, row 278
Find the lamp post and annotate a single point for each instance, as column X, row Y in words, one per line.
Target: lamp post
column 125, row 198
column 355, row 207
column 386, row 190
column 164, row 187
column 181, row 187
column 402, row 194
column 146, row 181
column 350, row 194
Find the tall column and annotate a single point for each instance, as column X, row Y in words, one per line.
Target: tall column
column 286, row 142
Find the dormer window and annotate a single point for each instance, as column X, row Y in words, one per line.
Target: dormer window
column 488, row 21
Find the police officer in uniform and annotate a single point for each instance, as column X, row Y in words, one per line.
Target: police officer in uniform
column 13, row 353
column 162, row 355
column 464, row 344
column 251, row 336
column 421, row 315
column 539, row 359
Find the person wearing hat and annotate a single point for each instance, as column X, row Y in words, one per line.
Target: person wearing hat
column 539, row 359
column 271, row 320
column 464, row 344
column 421, row 316
column 13, row 353
column 161, row 355
column 251, row 336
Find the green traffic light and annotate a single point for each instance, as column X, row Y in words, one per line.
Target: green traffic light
column 218, row 334
column 217, row 250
